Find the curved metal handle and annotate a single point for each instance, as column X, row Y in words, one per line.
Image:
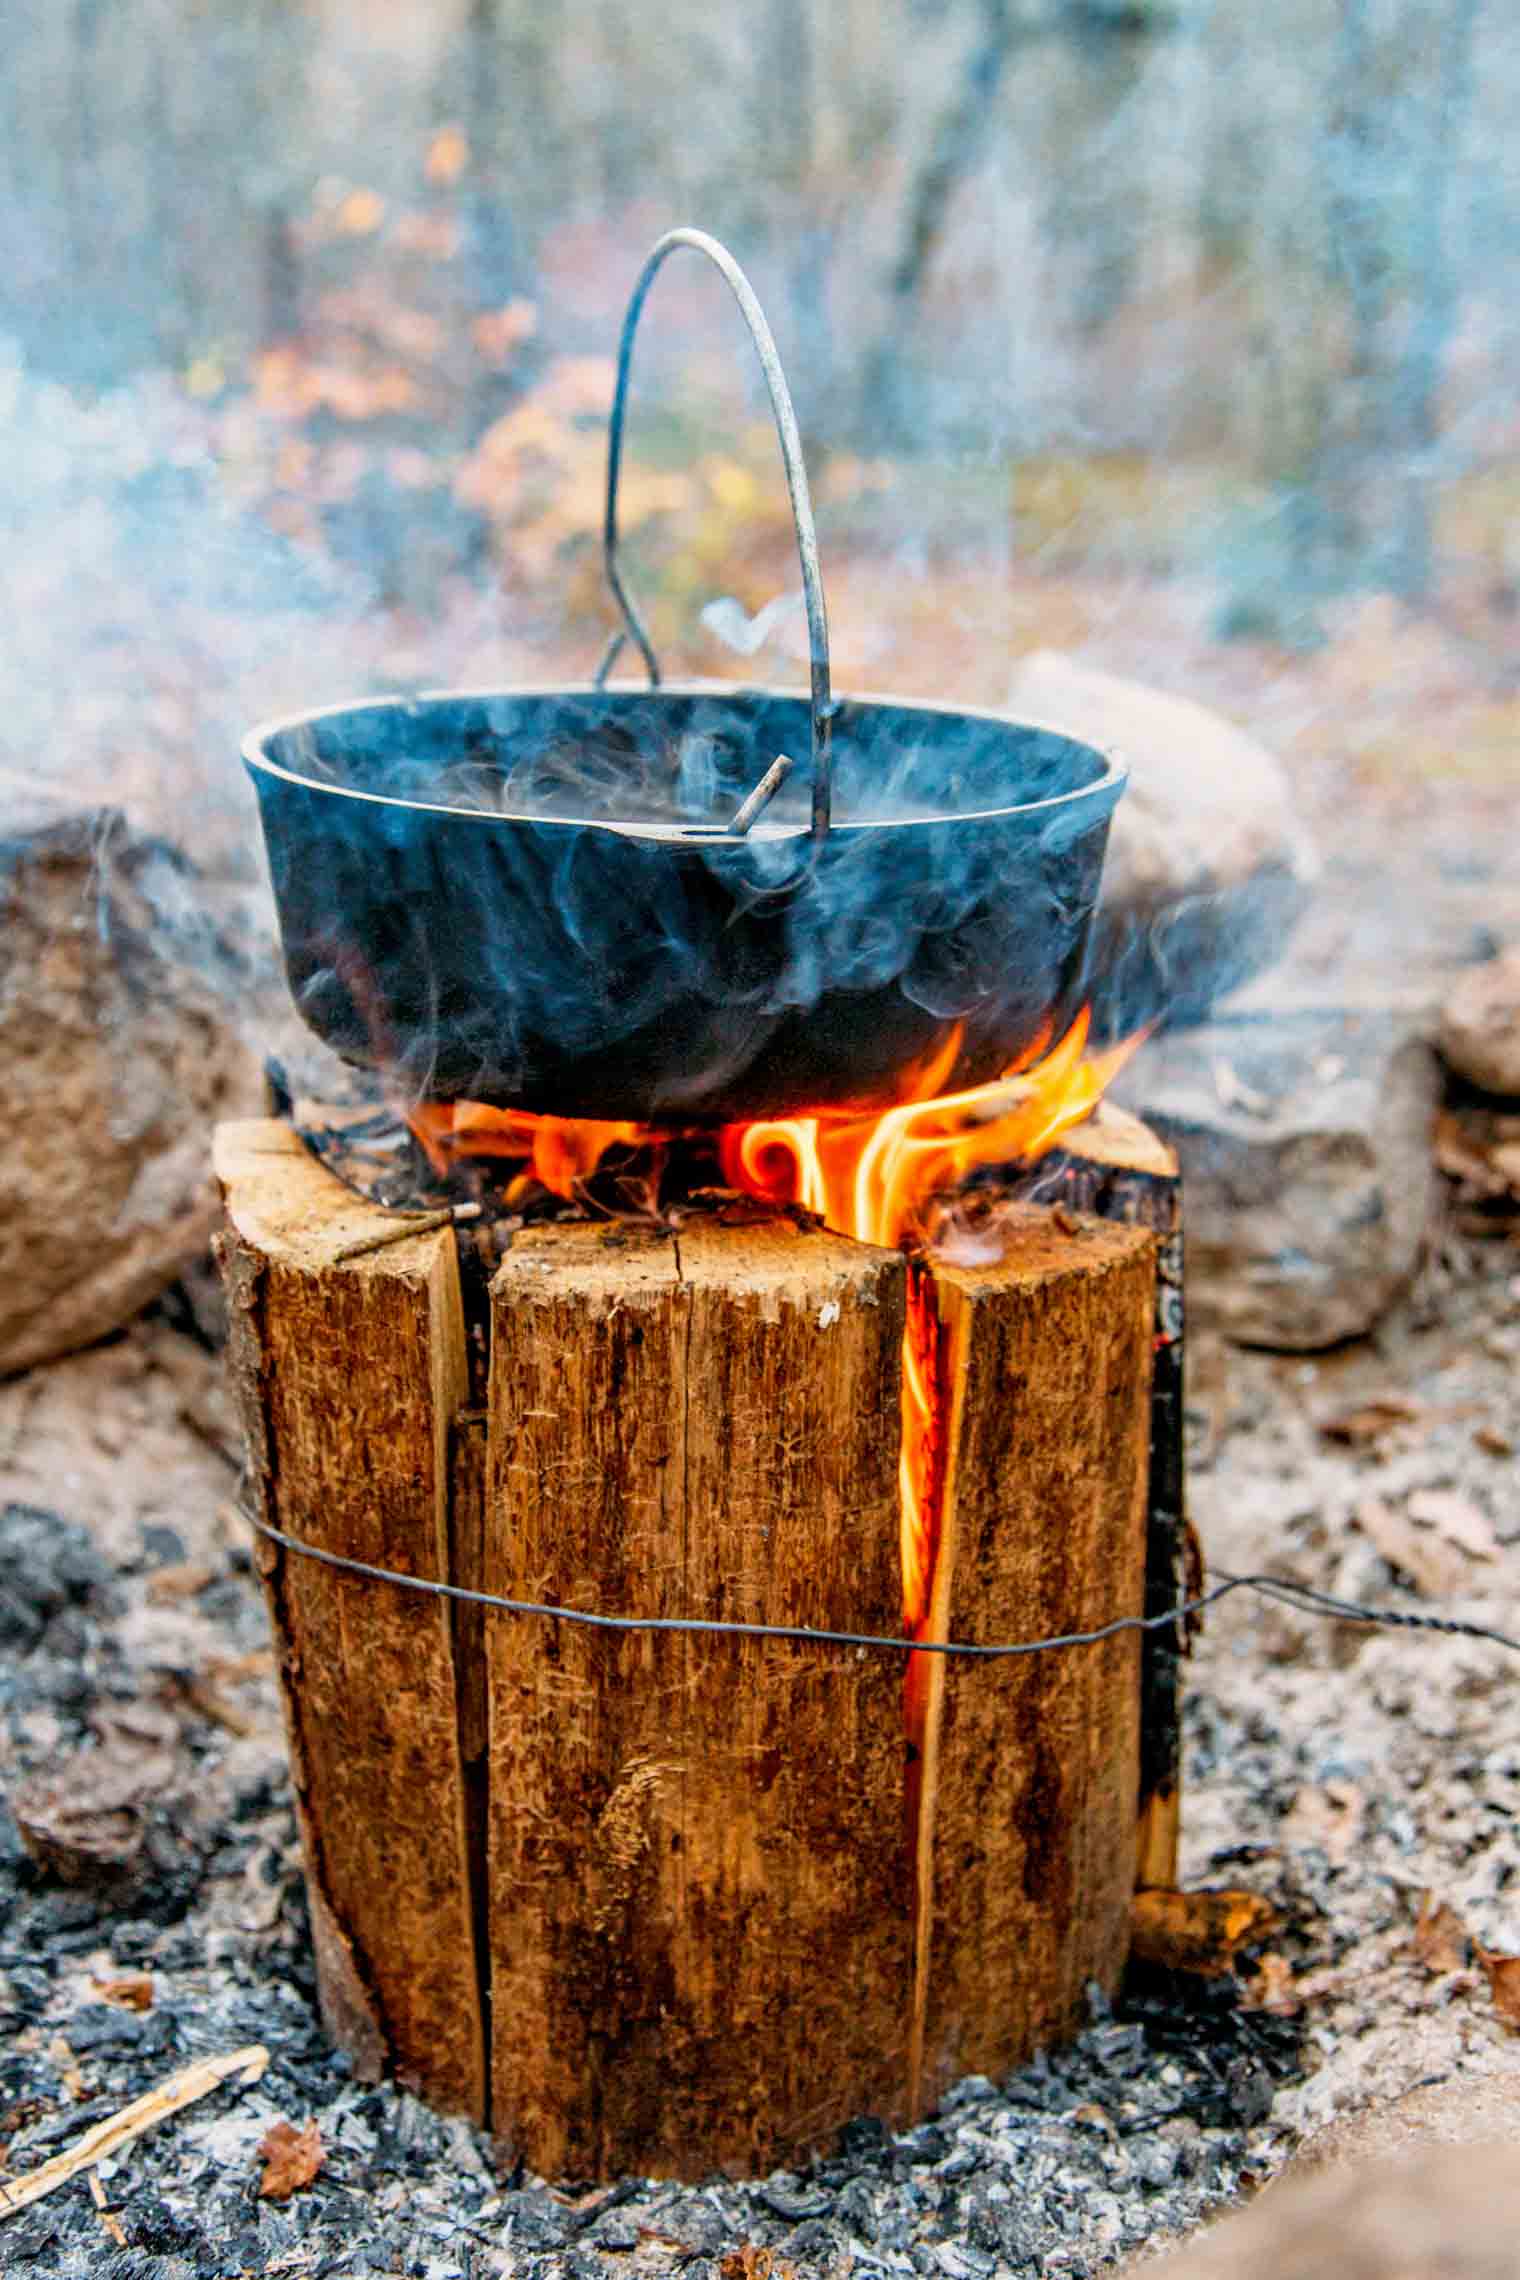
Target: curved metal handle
column 797, row 490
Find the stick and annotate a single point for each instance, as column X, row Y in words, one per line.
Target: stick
column 117, row 2130
column 762, row 795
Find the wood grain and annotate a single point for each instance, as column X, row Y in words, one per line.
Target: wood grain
column 348, row 1377
column 1025, row 1853
column 698, row 1871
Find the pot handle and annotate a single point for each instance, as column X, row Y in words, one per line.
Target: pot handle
column 802, row 516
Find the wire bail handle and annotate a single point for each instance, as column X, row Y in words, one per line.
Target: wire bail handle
column 797, row 490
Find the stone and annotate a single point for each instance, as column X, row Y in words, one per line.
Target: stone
column 1439, row 2212
column 1209, row 864
column 1307, row 1167
column 119, row 1050
column 1480, row 1026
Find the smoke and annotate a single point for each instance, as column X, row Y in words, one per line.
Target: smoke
column 1121, row 339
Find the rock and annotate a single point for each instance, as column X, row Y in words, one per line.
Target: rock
column 119, row 1052
column 1480, row 1026
column 1208, row 865
column 1307, row 1169
column 1438, row 2213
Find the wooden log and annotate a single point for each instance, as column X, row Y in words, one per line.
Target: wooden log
column 699, row 1913
column 1025, row 1829
column 348, row 1375
column 1116, row 1167
column 669, row 1901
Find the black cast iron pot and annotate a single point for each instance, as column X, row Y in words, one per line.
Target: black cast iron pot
column 627, row 903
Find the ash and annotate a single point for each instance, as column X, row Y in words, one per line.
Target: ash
column 1342, row 1775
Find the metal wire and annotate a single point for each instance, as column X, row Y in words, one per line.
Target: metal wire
column 1301, row 1596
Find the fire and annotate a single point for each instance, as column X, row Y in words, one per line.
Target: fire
column 882, row 1177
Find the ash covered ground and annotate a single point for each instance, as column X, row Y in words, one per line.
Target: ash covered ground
column 1362, row 1782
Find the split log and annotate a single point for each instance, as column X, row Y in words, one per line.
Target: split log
column 1024, row 1845
column 348, row 1373
column 699, row 1920
column 666, row 1901
column 1115, row 1167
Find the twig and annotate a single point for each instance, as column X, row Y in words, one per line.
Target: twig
column 417, row 1223
column 762, row 795
column 117, row 2130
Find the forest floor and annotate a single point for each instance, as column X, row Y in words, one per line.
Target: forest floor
column 1366, row 1783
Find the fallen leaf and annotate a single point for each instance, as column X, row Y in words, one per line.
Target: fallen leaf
column 1433, row 1567
column 291, row 2159
column 133, row 1991
column 1456, row 1520
column 1270, row 1988
column 1440, row 1936
column 748, row 2262
column 1503, row 1984
column 1373, row 1419
column 1329, row 1817
column 1197, row 1931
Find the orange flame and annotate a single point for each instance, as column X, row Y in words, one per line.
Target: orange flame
column 876, row 1178
column 877, row 1175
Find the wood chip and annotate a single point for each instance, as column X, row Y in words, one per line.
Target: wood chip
column 108, row 2216
column 117, row 2130
column 1197, row 1931
column 292, row 2158
column 1456, row 1520
column 1374, row 1419
column 1436, row 1569
column 1271, row 1988
column 133, row 1991
column 1440, row 1937
column 1503, row 1984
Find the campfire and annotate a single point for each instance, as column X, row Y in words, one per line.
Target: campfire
column 759, row 1318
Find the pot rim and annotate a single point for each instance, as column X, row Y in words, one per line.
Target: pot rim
column 1105, row 789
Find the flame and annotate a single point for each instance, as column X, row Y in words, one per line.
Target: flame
column 879, row 1175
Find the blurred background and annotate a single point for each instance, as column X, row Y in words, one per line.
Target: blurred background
column 1181, row 335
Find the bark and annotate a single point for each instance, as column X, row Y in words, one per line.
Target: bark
column 698, row 1876
column 1025, row 1838
column 1116, row 1167
column 348, row 1374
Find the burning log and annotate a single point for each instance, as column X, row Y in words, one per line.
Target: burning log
column 699, row 1918
column 1030, row 1767
column 665, row 1900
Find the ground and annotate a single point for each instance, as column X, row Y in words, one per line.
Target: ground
column 1356, row 1779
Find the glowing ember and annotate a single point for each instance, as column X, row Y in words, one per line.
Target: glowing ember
column 882, row 1177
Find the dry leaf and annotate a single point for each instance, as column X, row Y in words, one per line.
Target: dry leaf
column 1329, row 1817
column 1270, row 1988
column 291, row 2159
column 1373, row 1419
column 1503, row 1984
column 751, row 2263
column 1197, row 1931
column 1440, row 1936
column 1456, row 1520
column 1434, row 1568
column 133, row 1991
